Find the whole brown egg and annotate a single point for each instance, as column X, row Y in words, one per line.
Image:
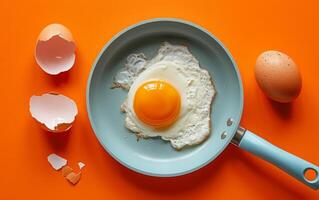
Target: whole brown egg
column 278, row 76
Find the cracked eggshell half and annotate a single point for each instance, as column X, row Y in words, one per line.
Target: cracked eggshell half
column 55, row 49
column 55, row 112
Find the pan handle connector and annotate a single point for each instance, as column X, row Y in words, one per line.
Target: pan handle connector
column 288, row 162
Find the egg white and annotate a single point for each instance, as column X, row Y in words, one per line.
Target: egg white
column 177, row 66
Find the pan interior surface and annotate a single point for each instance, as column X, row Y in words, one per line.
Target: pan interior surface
column 154, row 156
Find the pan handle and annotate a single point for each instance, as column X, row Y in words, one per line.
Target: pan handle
column 288, row 162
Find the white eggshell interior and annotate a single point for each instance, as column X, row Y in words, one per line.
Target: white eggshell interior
column 55, row 55
column 81, row 165
column 56, row 161
column 52, row 110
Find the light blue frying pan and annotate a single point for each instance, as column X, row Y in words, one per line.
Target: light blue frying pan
column 156, row 157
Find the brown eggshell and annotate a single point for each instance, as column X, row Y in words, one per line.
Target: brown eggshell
column 66, row 170
column 278, row 76
column 73, row 177
column 55, row 29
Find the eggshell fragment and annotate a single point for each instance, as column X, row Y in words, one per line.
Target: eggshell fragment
column 55, row 49
column 278, row 76
column 56, row 161
column 66, row 170
column 73, row 177
column 81, row 165
column 55, row 112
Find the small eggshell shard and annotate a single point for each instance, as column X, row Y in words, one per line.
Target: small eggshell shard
column 278, row 76
column 66, row 170
column 73, row 177
column 56, row 161
column 55, row 112
column 55, row 49
column 81, row 165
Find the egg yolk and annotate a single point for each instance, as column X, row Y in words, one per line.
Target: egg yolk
column 157, row 103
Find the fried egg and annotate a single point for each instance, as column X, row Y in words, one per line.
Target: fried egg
column 169, row 96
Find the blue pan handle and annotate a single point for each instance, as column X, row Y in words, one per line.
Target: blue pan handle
column 288, row 162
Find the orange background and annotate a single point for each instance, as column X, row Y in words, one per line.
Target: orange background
column 246, row 27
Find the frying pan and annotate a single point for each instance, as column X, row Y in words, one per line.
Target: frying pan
column 156, row 157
